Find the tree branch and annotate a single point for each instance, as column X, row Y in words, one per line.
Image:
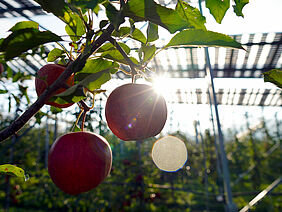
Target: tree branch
column 73, row 67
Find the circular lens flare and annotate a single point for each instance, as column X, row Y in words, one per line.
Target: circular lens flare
column 169, row 153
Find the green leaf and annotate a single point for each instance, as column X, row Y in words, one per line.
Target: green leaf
column 19, row 75
column 84, row 4
column 95, row 73
column 55, row 110
column 17, row 99
column 25, row 39
column 136, row 34
column 94, row 81
column 59, row 8
column 39, row 115
column 114, row 15
column 76, row 92
column 274, row 76
column 103, row 23
column 109, row 47
column 148, row 10
column 191, row 14
column 197, row 37
column 218, row 8
column 9, row 72
column 109, row 51
column 23, row 90
column 76, row 129
column 75, row 27
column 119, row 60
column 12, row 170
column 55, row 54
column 3, row 91
column 95, row 66
column 238, row 7
column 72, row 94
column 62, row 62
column 24, row 25
column 148, row 52
column 152, row 32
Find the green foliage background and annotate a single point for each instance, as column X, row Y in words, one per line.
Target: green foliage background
column 136, row 184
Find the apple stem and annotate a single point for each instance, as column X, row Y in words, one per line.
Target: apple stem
column 83, row 120
column 84, row 105
column 78, row 117
column 133, row 78
column 85, row 109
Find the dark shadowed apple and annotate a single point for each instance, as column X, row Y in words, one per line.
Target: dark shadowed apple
column 135, row 112
column 46, row 77
column 79, row 161
column 1, row 68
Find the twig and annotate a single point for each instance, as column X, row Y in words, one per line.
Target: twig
column 73, row 67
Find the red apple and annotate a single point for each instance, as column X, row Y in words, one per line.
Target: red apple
column 135, row 112
column 79, row 162
column 47, row 76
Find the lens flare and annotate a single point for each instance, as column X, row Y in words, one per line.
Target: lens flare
column 161, row 85
column 169, row 153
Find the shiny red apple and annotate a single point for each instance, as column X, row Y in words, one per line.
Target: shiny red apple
column 135, row 112
column 46, row 77
column 79, row 161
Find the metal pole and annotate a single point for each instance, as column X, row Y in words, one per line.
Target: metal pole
column 205, row 168
column 230, row 206
column 55, row 127
column 46, row 143
column 226, row 177
column 217, row 151
column 196, row 132
column 277, row 127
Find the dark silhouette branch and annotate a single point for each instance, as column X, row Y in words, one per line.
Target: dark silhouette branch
column 73, row 67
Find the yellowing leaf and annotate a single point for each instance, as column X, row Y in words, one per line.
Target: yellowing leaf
column 12, row 170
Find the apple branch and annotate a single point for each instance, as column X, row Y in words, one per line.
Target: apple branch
column 73, row 67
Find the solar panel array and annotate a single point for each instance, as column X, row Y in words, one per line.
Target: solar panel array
column 238, row 96
column 19, row 8
column 263, row 53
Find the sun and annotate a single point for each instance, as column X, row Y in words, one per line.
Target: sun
column 161, row 85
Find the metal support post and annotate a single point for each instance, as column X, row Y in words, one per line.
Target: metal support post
column 46, row 143
column 230, row 206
